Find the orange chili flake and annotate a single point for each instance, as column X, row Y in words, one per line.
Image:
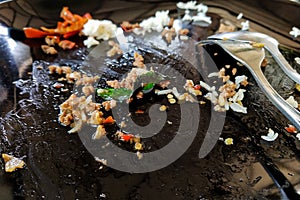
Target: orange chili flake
column 66, row 44
column 291, row 129
column 71, row 26
column 52, row 40
column 58, row 85
column 109, row 120
column 139, row 112
column 127, row 137
column 127, row 26
column 197, row 87
column 34, row 33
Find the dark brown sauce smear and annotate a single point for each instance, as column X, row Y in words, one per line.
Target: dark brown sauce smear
column 59, row 166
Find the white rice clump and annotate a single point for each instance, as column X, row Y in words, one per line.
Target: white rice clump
column 98, row 29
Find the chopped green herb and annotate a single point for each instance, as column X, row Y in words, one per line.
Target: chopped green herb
column 148, row 87
column 119, row 94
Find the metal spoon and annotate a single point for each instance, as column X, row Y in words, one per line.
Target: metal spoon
column 252, row 58
column 271, row 44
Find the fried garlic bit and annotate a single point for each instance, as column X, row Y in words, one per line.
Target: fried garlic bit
column 226, row 26
column 264, row 63
column 88, row 90
column 169, row 34
column 228, row 141
column 12, row 163
column 100, row 132
column 127, row 26
column 257, row 44
column 138, row 60
column 52, row 40
column 115, row 49
column 297, row 86
column 183, row 31
column 108, row 105
column 48, row 49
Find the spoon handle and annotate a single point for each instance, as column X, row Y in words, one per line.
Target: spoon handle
column 285, row 66
column 291, row 113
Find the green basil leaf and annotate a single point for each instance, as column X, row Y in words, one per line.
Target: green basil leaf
column 119, row 94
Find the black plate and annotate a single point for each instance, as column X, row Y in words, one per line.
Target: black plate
column 58, row 164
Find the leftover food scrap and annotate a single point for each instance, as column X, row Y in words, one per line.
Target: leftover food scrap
column 12, row 163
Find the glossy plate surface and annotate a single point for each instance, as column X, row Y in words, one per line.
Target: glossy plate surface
column 58, row 164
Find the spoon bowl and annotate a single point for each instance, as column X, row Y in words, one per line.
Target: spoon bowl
column 270, row 43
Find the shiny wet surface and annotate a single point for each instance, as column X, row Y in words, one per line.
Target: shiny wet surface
column 59, row 166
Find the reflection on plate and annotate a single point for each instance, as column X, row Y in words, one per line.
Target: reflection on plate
column 59, row 166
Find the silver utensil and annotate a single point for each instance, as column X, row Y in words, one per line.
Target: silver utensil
column 252, row 57
column 271, row 44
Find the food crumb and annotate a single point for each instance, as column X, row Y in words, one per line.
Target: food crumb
column 295, row 32
column 101, row 160
column 257, row 44
column 12, row 163
column 127, row 26
column 172, row 101
column 245, row 25
column 48, row 49
column 139, row 155
column 291, row 100
column 138, row 146
column 39, row 67
column 271, row 136
column 234, row 70
column 122, row 124
column 169, row 34
column 228, row 141
column 240, row 15
column 169, row 122
column 202, row 102
column 115, row 49
column 264, row 62
column 298, row 136
column 170, row 96
column 162, row 108
column 291, row 129
column 297, row 59
column 100, row 132
column 138, row 60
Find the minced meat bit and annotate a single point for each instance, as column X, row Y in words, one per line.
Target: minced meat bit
column 257, row 44
column 52, row 40
column 12, row 163
column 53, row 69
column 264, row 62
column 66, row 69
column 228, row 141
column 129, row 81
column 226, row 26
column 66, row 44
column 114, row 50
column 100, row 132
column 48, row 49
column 184, row 31
column 88, row 90
column 114, row 84
column 138, row 60
column 127, row 26
column 108, row 105
column 73, row 77
column 163, row 108
column 234, row 70
column 171, row 22
column 85, row 80
column 228, row 90
column 169, row 34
